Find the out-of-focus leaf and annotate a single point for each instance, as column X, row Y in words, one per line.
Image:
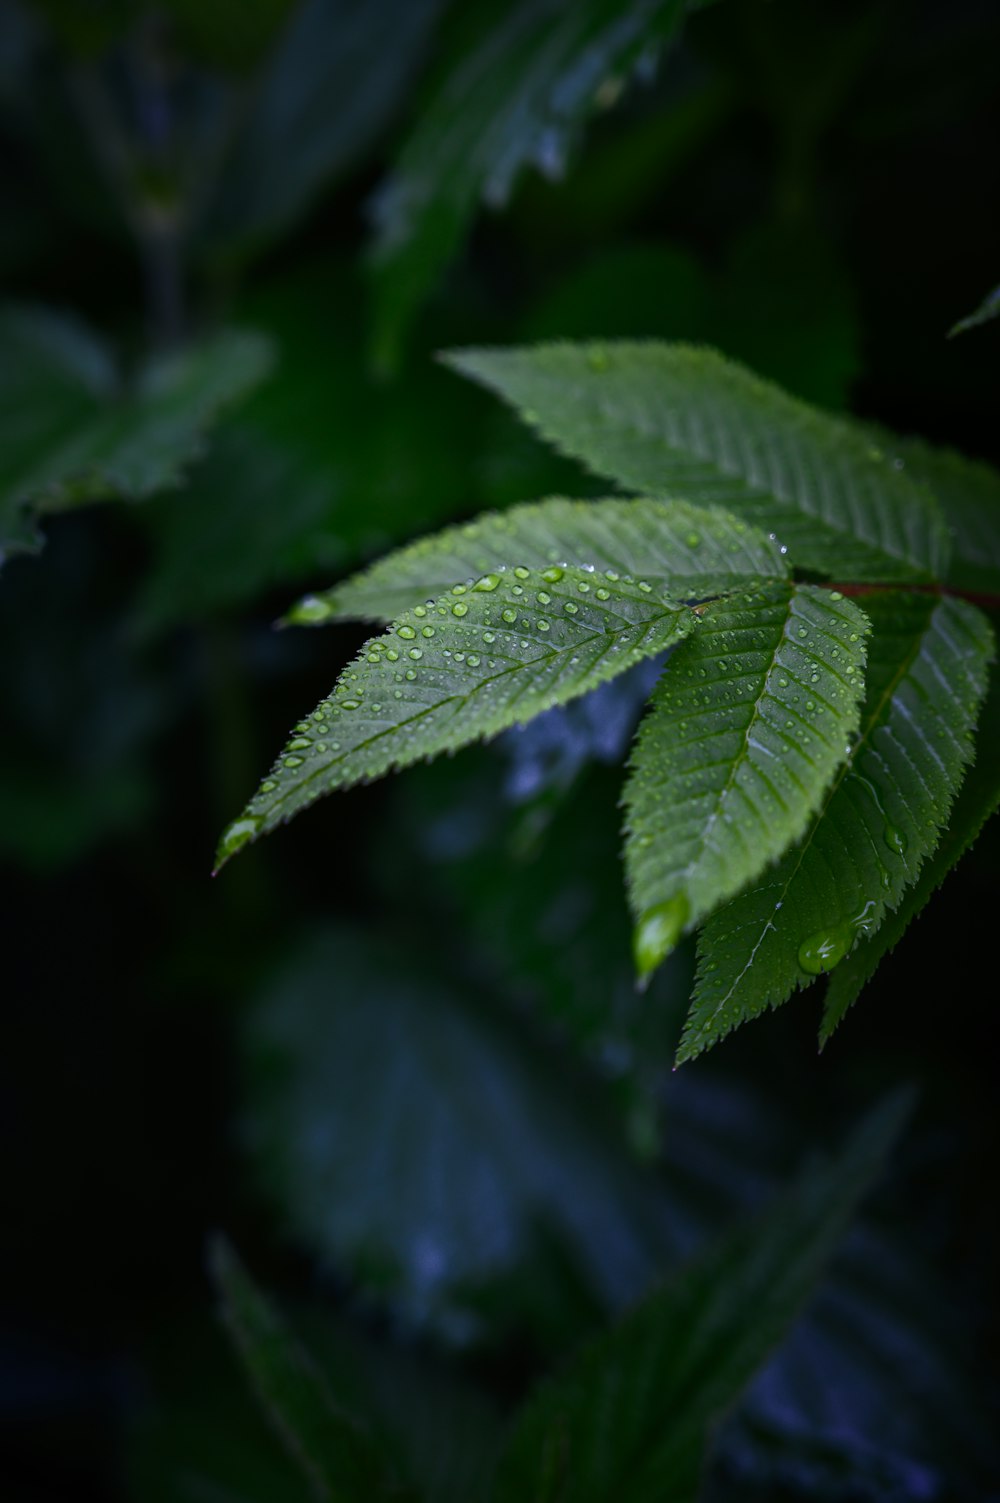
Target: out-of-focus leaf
column 328, row 89
column 631, row 1417
column 72, row 431
column 412, row 1135
column 332, row 1448
column 321, row 467
column 518, row 96
column 988, row 309
column 227, row 33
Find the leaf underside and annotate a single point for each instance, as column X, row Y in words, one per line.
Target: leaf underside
column 927, row 666
column 459, row 670
column 631, row 1417
column 746, row 729
column 686, row 552
column 671, row 419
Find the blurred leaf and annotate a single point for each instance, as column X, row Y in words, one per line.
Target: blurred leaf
column 72, row 432
column 666, row 419
column 415, row 1138
column 461, row 670
column 228, row 33
column 988, row 309
column 631, row 1417
column 628, row 292
column 689, row 552
column 329, row 88
column 331, row 1447
column 320, row 468
column 518, row 96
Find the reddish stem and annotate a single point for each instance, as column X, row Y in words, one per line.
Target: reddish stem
column 975, row 597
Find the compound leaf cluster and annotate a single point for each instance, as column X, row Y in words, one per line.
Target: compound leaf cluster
column 817, row 709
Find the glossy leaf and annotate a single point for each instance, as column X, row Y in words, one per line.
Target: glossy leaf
column 459, row 670
column 678, row 420
column 331, row 1447
column 927, row 662
column 631, row 1417
column 687, row 552
column 747, row 726
column 72, row 431
column 977, row 802
column 518, row 96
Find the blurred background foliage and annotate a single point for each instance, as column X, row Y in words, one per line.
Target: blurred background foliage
column 396, row 1052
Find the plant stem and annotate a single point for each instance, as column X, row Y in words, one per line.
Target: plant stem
column 987, row 599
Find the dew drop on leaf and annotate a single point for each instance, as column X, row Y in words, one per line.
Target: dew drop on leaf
column 825, row 949
column 657, row 932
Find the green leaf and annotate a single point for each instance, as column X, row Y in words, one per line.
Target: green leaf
column 968, row 493
column 748, row 725
column 72, row 431
column 685, row 551
column 676, row 420
column 988, row 309
column 332, row 1449
column 518, row 95
column 978, row 801
column 631, row 1418
column 459, row 670
column 327, row 90
column 417, row 1138
column 927, row 662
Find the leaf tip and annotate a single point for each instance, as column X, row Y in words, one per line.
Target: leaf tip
column 235, row 836
column 656, row 935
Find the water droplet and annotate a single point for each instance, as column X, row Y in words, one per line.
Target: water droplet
column 836, row 595
column 292, row 762
column 236, row 835
column 488, row 637
column 521, row 572
column 894, row 839
column 825, row 949
column 803, row 632
column 487, row 583
column 411, row 674
column 407, row 632
column 392, row 655
column 473, row 660
column 308, row 611
column 583, row 586
column 301, row 743
column 416, row 653
column 571, row 607
column 346, row 704
column 657, row 932
column 269, row 786
column 428, row 631
column 603, row 594
column 509, row 614
column 553, row 575
column 693, row 540
column 543, row 625
column 459, row 609
column 645, row 587
column 543, row 597
column 458, row 589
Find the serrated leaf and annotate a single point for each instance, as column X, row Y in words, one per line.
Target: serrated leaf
column 518, row 96
column 631, row 1418
column 460, row 670
column 968, row 493
column 747, row 727
column 672, row 419
column 988, row 309
column 333, row 1450
column 927, row 663
column 978, row 801
column 687, row 552
column 72, row 431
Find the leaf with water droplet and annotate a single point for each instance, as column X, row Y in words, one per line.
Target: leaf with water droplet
column 448, row 703
column 646, row 538
column 708, row 812
column 927, row 667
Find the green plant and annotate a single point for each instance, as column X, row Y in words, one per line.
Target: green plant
column 815, row 717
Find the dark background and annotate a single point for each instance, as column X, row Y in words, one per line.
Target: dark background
column 814, row 189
